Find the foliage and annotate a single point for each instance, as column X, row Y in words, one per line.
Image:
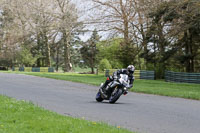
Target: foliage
column 186, row 26
column 174, row 37
column 127, row 54
column 89, row 51
column 153, row 35
column 109, row 50
column 104, row 64
column 44, row 30
column 25, row 58
column 118, row 54
column 6, row 62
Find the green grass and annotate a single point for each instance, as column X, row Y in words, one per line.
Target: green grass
column 81, row 78
column 82, row 70
column 156, row 87
column 182, row 90
column 22, row 117
column 78, row 70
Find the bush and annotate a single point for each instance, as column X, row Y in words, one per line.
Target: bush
column 3, row 68
column 104, row 64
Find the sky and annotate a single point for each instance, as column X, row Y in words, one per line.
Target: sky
column 84, row 7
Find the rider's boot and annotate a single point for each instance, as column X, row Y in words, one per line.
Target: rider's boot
column 104, row 86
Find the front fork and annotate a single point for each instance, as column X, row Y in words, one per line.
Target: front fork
column 124, row 90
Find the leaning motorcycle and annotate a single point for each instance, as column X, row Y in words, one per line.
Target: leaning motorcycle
column 114, row 89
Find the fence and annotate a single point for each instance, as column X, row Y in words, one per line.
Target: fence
column 138, row 74
column 33, row 69
column 147, row 75
column 182, row 77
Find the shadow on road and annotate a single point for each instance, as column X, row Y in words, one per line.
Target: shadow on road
column 106, row 102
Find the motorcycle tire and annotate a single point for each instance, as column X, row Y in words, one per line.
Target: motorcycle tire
column 116, row 96
column 98, row 97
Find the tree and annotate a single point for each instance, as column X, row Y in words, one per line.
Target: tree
column 115, row 16
column 26, row 25
column 158, row 37
column 182, row 19
column 43, row 29
column 109, row 49
column 68, row 26
column 75, row 51
column 129, row 20
column 42, row 26
column 8, row 36
column 25, row 58
column 186, row 25
column 104, row 64
column 89, row 51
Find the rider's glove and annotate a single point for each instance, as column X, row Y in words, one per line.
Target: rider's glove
column 129, row 86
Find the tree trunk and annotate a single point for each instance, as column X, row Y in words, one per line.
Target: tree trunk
column 57, row 58
column 125, row 24
column 92, row 68
column 189, row 52
column 161, row 46
column 67, row 61
column 146, row 54
column 38, row 48
column 48, row 54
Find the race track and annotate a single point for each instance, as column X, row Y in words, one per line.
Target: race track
column 136, row 112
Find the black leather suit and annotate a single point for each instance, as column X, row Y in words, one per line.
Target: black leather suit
column 116, row 74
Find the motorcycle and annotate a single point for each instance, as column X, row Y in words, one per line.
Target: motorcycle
column 114, row 89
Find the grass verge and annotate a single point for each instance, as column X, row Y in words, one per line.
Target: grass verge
column 156, row 87
column 22, row 117
column 182, row 90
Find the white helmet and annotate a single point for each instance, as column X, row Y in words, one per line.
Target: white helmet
column 131, row 69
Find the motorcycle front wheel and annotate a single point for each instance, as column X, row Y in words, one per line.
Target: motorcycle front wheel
column 115, row 96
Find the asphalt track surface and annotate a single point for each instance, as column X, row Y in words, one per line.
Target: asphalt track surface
column 136, row 112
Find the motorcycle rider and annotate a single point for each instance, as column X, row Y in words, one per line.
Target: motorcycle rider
column 129, row 71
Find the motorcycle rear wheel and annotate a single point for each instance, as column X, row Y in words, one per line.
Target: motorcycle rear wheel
column 98, row 97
